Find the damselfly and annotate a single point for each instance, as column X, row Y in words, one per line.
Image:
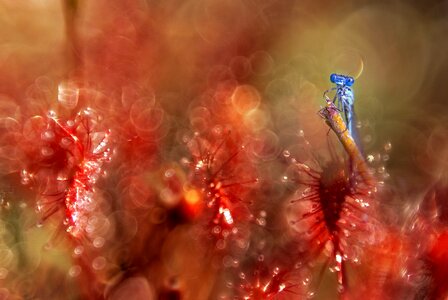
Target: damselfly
column 344, row 100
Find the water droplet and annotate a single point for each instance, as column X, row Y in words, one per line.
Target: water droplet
column 261, row 221
column 65, row 142
column 25, row 177
column 169, row 173
column 388, row 146
column 227, row 261
column 306, row 192
column 99, row 263
column 286, row 153
column 70, row 123
column 99, row 242
column 51, row 114
column 47, row 151
column 78, row 250
column 47, row 135
column 310, row 294
column 306, row 281
column 235, row 263
column 221, row 244
column 74, row 271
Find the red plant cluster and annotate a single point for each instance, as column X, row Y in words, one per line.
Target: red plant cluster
column 65, row 164
column 267, row 283
column 224, row 177
column 335, row 214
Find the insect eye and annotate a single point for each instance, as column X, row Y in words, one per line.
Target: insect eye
column 333, row 77
column 338, row 79
column 341, row 79
column 349, row 81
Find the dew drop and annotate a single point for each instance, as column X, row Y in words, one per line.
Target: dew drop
column 306, row 281
column 25, row 177
column 169, row 173
column 216, row 230
column 70, row 123
column 99, row 242
column 220, row 244
column 47, row 151
column 74, row 271
column 261, row 221
column 227, row 261
column 99, row 263
column 47, row 135
column 51, row 114
column 78, row 250
column 235, row 263
column 65, row 142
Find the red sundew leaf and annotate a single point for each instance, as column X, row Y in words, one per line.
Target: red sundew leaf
column 65, row 163
column 266, row 282
column 334, row 214
column 221, row 171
